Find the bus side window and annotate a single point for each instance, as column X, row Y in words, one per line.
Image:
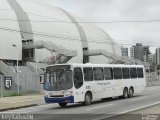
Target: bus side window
column 88, row 74
column 78, row 78
column 133, row 72
column 140, row 72
column 98, row 73
column 117, row 73
column 125, row 72
column 108, row 73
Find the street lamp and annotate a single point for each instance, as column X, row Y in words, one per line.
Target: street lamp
column 37, row 65
column 1, row 78
column 17, row 68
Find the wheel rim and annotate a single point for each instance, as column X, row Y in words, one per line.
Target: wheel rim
column 125, row 94
column 88, row 99
column 131, row 93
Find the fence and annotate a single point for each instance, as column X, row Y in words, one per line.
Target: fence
column 21, row 84
column 152, row 80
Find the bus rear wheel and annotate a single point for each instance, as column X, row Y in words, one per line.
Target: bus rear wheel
column 88, row 99
column 62, row 104
column 130, row 94
column 125, row 93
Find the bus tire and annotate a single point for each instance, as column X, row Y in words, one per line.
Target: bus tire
column 62, row 104
column 88, row 98
column 131, row 92
column 125, row 93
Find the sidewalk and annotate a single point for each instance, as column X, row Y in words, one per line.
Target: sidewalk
column 8, row 103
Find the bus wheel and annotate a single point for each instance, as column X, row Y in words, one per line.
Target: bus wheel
column 130, row 93
column 62, row 104
column 88, row 99
column 125, row 93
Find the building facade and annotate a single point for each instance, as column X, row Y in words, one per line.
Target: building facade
column 140, row 52
column 158, row 56
column 124, row 51
column 146, row 54
column 152, row 58
column 132, row 52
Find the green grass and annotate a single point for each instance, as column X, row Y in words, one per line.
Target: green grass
column 29, row 92
column 9, row 93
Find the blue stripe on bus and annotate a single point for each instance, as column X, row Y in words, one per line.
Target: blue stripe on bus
column 69, row 99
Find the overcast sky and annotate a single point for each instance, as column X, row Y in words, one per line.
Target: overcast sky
column 147, row 33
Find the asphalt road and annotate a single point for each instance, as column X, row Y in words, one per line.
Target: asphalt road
column 99, row 110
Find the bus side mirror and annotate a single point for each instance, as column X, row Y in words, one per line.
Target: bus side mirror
column 41, row 79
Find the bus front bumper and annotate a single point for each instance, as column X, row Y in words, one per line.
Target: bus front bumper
column 69, row 99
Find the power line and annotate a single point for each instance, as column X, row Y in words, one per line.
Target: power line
column 35, row 14
column 58, row 20
column 43, row 34
column 102, row 22
column 48, row 34
column 61, row 37
column 123, row 21
column 70, row 39
column 54, row 36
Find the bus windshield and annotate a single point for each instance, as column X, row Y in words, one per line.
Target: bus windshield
column 58, row 78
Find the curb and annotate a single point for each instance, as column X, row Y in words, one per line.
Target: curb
column 13, row 108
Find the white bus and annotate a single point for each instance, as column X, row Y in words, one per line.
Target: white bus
column 84, row 83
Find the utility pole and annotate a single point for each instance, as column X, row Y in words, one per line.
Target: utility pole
column 18, row 85
column 1, row 78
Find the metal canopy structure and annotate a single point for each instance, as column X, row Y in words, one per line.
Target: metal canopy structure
column 64, row 55
column 62, row 52
column 124, row 59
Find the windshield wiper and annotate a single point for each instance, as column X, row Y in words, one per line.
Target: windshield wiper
column 60, row 74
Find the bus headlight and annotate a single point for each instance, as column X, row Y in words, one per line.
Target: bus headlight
column 68, row 93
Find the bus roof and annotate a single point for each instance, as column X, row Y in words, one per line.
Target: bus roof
column 97, row 65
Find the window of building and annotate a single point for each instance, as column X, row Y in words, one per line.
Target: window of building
column 125, row 72
column 117, row 73
column 108, row 73
column 98, row 74
column 140, row 72
column 88, row 74
column 133, row 72
column 78, row 78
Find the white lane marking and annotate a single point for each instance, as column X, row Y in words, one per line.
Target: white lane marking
column 131, row 110
column 139, row 108
column 99, row 107
column 139, row 98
